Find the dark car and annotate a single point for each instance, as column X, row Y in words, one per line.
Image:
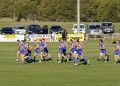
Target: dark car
column 107, row 27
column 45, row 29
column 7, row 30
column 34, row 29
column 55, row 29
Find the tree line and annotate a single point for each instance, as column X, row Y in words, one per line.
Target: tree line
column 61, row 10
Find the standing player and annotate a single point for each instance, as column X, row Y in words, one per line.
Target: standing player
column 103, row 54
column 42, row 49
column 28, row 53
column 37, row 50
column 116, row 48
column 18, row 51
column 72, row 48
column 46, row 50
column 22, row 51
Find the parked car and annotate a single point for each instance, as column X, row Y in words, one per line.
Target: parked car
column 34, row 29
column 7, row 30
column 55, row 29
column 94, row 30
column 82, row 28
column 19, row 29
column 107, row 27
column 45, row 29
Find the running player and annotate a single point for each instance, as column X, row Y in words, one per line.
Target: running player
column 78, row 52
column 18, row 51
column 46, row 53
column 62, row 51
column 37, row 50
column 22, row 51
column 72, row 48
column 103, row 54
column 116, row 48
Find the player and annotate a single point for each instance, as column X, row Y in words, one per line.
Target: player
column 22, row 51
column 18, row 51
column 46, row 53
column 37, row 50
column 28, row 54
column 42, row 49
column 78, row 52
column 62, row 51
column 72, row 48
column 103, row 54
column 116, row 48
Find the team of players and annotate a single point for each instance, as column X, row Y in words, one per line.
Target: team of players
column 25, row 51
column 75, row 55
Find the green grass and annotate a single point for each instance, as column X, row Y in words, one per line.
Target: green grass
column 53, row 74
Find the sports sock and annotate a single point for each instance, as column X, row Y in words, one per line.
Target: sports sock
column 34, row 58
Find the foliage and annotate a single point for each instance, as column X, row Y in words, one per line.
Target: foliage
column 62, row 10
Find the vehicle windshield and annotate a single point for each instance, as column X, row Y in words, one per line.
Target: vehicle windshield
column 21, row 28
column 55, row 27
column 7, row 29
column 81, row 26
column 106, row 24
column 34, row 27
column 94, row 27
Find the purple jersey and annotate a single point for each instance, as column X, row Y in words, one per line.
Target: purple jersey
column 116, row 47
column 101, row 45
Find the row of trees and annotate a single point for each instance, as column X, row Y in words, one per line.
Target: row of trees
column 61, row 10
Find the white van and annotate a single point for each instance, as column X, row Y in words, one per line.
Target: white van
column 82, row 28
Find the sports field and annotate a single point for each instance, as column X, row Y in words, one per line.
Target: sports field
column 53, row 74
column 50, row 73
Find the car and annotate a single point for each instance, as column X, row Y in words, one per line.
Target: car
column 55, row 29
column 19, row 29
column 94, row 30
column 34, row 29
column 82, row 28
column 107, row 27
column 45, row 29
column 7, row 30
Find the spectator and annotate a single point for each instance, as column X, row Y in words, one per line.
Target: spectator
column 64, row 34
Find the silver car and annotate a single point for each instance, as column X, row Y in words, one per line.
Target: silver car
column 94, row 30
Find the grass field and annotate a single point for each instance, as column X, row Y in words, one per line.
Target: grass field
column 53, row 74
column 50, row 73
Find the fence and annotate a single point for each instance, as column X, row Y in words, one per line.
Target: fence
column 114, row 36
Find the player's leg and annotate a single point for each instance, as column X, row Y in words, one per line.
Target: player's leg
column 59, row 58
column 41, row 56
column 22, row 58
column 64, row 56
column 117, row 56
column 76, row 59
column 116, row 59
column 18, row 53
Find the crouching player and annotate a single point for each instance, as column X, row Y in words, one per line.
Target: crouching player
column 103, row 54
column 28, row 54
column 116, row 48
column 37, row 50
column 62, row 51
